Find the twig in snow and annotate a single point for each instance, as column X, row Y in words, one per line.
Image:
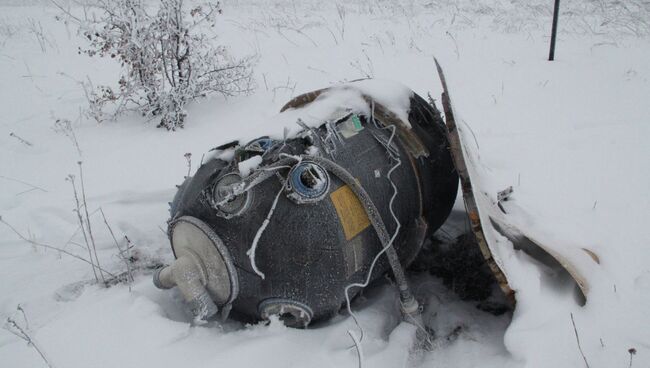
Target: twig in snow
column 43, row 245
column 357, row 65
column 75, row 234
column 25, row 191
column 81, row 224
column 64, row 126
column 266, row 85
column 23, row 182
column 66, row 11
column 7, row 31
column 332, row 34
column 316, row 69
column 578, row 341
column 129, row 245
column 36, row 28
column 369, row 63
column 30, row 76
column 297, row 30
column 455, row 45
column 20, row 308
column 357, row 344
column 163, row 230
column 75, row 243
column 287, row 87
column 12, row 134
column 632, row 352
column 90, row 231
column 128, row 253
column 119, row 250
column 25, row 336
column 340, row 10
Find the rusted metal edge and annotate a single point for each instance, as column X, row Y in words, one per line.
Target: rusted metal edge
column 466, row 186
column 303, row 99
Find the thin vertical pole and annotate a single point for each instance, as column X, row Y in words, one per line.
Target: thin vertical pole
column 556, row 11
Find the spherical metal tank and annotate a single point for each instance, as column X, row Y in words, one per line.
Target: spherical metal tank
column 277, row 229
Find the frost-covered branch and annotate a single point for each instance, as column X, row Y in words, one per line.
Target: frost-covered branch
column 13, row 327
column 167, row 58
column 46, row 246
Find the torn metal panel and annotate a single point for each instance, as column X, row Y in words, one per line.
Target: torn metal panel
column 455, row 146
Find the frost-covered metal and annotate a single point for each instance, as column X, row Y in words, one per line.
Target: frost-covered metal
column 305, row 224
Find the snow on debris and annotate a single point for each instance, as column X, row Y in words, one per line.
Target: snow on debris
column 569, row 136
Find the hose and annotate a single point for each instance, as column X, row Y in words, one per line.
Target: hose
column 408, row 303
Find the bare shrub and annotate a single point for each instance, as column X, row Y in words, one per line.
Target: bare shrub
column 167, row 56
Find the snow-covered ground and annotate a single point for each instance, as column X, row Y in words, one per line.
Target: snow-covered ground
column 570, row 136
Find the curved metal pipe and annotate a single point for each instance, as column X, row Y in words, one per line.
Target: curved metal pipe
column 409, row 304
column 189, row 275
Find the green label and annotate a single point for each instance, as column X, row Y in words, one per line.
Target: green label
column 357, row 122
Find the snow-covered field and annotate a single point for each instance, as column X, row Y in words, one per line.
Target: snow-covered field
column 570, row 136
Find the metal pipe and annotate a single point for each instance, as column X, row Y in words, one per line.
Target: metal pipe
column 556, row 13
column 233, row 190
column 189, row 275
column 408, row 303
